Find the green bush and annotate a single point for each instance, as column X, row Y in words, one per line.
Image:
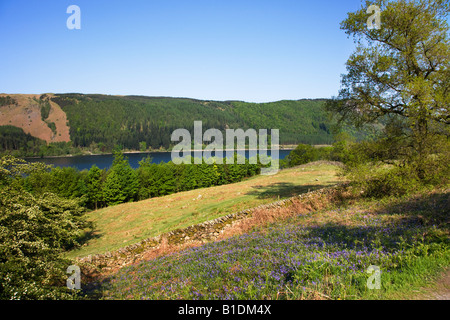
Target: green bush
column 302, row 154
column 379, row 181
column 435, row 168
column 34, row 231
column 383, row 167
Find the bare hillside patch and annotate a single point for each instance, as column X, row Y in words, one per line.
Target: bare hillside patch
column 26, row 114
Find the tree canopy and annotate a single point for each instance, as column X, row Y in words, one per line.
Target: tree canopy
column 399, row 72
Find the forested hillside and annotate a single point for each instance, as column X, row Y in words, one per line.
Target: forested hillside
column 134, row 122
column 14, row 138
column 103, row 123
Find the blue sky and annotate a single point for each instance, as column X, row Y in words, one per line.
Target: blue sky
column 256, row 51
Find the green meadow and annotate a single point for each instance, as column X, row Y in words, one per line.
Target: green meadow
column 128, row 223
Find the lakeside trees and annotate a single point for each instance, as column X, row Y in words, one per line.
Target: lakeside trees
column 97, row 188
column 14, row 141
column 94, row 186
column 121, row 183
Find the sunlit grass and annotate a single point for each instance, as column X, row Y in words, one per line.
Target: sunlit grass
column 129, row 223
column 319, row 255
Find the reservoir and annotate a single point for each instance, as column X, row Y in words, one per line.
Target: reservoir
column 105, row 161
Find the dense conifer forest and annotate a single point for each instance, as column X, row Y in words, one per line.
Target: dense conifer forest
column 134, row 121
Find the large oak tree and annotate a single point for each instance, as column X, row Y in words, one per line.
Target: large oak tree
column 399, row 71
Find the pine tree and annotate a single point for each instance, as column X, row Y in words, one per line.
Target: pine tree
column 94, row 186
column 121, row 184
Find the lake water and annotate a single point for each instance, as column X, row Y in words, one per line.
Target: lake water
column 105, row 161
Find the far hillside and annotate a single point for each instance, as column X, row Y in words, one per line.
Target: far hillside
column 131, row 121
column 76, row 123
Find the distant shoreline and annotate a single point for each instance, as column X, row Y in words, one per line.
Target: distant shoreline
column 287, row 147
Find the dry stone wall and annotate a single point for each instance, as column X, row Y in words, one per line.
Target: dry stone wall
column 203, row 232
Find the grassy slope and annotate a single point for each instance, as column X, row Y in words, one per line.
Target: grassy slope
column 319, row 255
column 125, row 224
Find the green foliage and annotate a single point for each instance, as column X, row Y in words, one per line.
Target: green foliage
column 157, row 180
column 52, row 126
column 45, row 110
column 94, row 186
column 121, row 184
column 376, row 176
column 143, row 146
column 15, row 141
column 34, row 231
column 132, row 121
column 342, row 151
column 58, row 149
column 381, row 181
column 13, row 169
column 302, row 154
column 99, row 123
column 66, row 182
column 6, row 101
column 45, row 107
column 146, row 174
column 400, row 73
